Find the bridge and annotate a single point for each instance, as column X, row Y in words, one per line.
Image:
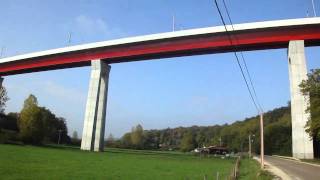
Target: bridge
column 293, row 34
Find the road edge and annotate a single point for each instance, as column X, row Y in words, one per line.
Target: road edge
column 296, row 160
column 274, row 170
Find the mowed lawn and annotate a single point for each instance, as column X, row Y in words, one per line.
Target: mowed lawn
column 29, row 162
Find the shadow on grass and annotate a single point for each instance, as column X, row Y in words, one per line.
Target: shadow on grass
column 127, row 151
column 120, row 151
column 56, row 146
column 162, row 153
column 51, row 146
column 145, row 152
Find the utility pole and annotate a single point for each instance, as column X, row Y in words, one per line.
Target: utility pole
column 59, row 135
column 2, row 51
column 249, row 145
column 173, row 23
column 261, row 141
column 69, row 38
column 220, row 141
column 314, row 9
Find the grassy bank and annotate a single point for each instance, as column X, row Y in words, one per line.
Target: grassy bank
column 313, row 161
column 29, row 162
column 250, row 170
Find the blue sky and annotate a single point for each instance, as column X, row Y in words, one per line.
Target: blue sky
column 198, row 90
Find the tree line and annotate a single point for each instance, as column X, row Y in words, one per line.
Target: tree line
column 277, row 130
column 234, row 136
column 32, row 125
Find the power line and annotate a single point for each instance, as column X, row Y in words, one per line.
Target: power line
column 242, row 56
column 236, row 56
column 261, row 112
column 314, row 9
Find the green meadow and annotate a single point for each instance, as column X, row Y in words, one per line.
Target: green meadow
column 30, row 162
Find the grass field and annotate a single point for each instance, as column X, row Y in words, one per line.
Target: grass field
column 28, row 162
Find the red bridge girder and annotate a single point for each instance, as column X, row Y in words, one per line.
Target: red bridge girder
column 171, row 46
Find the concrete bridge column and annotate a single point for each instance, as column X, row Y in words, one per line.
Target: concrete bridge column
column 94, row 121
column 1, row 80
column 302, row 145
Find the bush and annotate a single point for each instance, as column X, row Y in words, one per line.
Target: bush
column 8, row 136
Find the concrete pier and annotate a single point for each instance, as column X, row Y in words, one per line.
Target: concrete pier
column 1, row 80
column 94, row 121
column 302, row 145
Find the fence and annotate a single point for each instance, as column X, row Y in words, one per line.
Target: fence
column 235, row 170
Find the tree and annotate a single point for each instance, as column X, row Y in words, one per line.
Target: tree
column 75, row 139
column 201, row 138
column 3, row 99
column 187, row 142
column 48, row 119
column 75, row 135
column 53, row 127
column 151, row 139
column 137, row 136
column 276, row 136
column 126, row 140
column 61, row 128
column 311, row 87
column 110, row 141
column 9, row 121
column 30, row 123
column 110, row 138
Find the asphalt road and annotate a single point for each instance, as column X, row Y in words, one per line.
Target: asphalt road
column 296, row 170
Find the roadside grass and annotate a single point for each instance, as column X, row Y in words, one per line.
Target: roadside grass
column 29, row 162
column 313, row 161
column 250, row 170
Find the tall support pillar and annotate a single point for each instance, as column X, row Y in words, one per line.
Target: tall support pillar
column 1, row 80
column 94, row 121
column 302, row 145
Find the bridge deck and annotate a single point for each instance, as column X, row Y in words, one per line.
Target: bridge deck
column 245, row 37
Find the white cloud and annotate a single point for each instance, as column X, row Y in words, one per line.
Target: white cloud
column 96, row 28
column 68, row 94
column 90, row 25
